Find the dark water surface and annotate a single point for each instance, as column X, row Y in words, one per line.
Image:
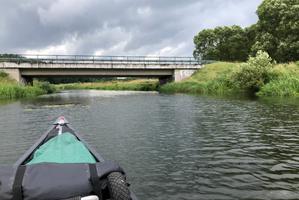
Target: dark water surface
column 173, row 146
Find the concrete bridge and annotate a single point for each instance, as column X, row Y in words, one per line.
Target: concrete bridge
column 24, row 68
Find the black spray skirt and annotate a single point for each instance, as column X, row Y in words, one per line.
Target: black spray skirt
column 53, row 181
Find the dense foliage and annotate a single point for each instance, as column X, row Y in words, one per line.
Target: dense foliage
column 10, row 56
column 3, row 74
column 276, row 32
column 278, row 29
column 260, row 76
column 255, row 73
column 222, row 43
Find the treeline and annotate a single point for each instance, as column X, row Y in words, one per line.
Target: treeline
column 276, row 32
column 56, row 80
column 7, row 55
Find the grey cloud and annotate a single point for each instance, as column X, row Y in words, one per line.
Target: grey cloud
column 127, row 27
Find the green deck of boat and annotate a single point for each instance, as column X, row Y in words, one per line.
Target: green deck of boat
column 64, row 148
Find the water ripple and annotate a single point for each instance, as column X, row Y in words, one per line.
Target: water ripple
column 174, row 146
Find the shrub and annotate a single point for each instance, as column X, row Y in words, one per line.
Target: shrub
column 45, row 86
column 3, row 74
column 255, row 73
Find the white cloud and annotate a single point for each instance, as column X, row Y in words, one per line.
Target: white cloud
column 115, row 27
column 63, row 12
column 144, row 11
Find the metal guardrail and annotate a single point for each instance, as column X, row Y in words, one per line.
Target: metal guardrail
column 89, row 59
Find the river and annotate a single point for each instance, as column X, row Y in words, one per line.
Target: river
column 173, row 146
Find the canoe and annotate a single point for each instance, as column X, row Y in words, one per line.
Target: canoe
column 61, row 165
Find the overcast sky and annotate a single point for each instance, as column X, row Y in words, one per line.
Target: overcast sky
column 115, row 27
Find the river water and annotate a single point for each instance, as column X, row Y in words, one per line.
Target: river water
column 173, row 146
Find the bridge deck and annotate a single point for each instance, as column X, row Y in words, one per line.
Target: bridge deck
column 86, row 59
column 21, row 67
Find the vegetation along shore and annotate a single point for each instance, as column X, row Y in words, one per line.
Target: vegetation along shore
column 134, row 85
column 273, row 39
column 10, row 89
column 260, row 60
column 259, row 76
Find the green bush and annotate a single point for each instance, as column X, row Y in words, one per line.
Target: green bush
column 228, row 79
column 45, row 86
column 255, row 73
column 3, row 74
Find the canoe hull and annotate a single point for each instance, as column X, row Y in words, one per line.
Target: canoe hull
column 52, row 132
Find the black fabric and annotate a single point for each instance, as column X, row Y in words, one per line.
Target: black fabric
column 95, row 180
column 73, row 198
column 18, row 181
column 48, row 181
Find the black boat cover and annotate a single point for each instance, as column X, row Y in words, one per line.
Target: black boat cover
column 51, row 181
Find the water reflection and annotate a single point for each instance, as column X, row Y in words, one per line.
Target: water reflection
column 174, row 146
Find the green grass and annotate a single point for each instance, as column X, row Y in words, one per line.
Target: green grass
column 212, row 79
column 135, row 85
column 10, row 89
column 216, row 79
column 284, row 82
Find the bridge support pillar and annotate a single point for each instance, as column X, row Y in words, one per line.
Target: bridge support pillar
column 14, row 74
column 181, row 74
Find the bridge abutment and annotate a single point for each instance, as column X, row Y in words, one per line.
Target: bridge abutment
column 14, row 74
column 181, row 74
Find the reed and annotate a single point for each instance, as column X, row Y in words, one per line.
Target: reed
column 10, row 89
column 284, row 81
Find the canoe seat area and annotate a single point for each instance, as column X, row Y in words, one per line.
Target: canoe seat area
column 64, row 148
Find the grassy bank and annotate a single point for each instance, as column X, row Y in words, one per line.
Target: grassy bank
column 284, row 81
column 218, row 79
column 212, row 79
column 10, row 89
column 136, row 85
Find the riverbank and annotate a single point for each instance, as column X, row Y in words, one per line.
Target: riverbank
column 217, row 79
column 213, row 79
column 10, row 89
column 134, row 85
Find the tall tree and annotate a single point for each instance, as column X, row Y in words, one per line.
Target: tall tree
column 276, row 32
column 278, row 29
column 228, row 43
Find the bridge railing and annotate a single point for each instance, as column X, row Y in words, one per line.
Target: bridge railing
column 90, row 59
